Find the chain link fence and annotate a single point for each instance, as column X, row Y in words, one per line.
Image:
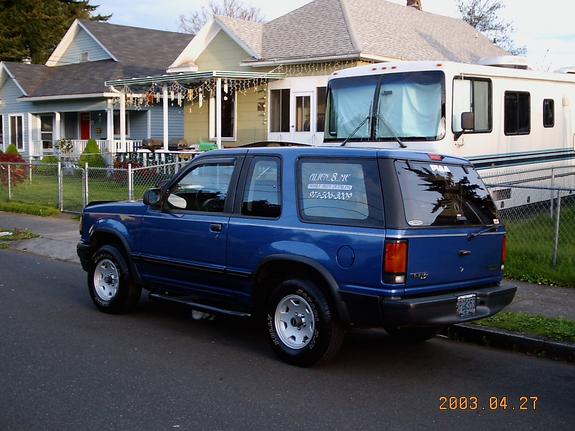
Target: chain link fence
column 70, row 188
column 537, row 207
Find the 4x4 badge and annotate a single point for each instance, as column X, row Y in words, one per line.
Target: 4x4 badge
column 460, row 269
column 419, row 275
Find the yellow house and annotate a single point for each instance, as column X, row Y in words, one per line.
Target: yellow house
column 240, row 82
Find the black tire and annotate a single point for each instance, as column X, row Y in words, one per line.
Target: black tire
column 411, row 335
column 127, row 293
column 327, row 335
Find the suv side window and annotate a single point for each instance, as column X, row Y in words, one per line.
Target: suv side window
column 205, row 188
column 338, row 191
column 262, row 194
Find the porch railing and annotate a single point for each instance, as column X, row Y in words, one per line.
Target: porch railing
column 109, row 146
column 106, row 146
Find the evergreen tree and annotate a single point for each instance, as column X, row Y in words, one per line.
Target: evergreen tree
column 33, row 28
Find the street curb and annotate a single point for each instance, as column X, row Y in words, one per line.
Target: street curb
column 502, row 339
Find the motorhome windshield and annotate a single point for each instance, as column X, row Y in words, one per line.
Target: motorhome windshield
column 412, row 103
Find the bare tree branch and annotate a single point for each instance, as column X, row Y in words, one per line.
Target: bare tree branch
column 483, row 16
column 193, row 22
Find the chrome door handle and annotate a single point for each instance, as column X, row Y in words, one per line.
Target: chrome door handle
column 216, row 227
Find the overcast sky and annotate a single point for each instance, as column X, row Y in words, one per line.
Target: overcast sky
column 545, row 28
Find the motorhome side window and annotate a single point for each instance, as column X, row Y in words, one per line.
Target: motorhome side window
column 517, row 113
column 548, row 113
column 472, row 95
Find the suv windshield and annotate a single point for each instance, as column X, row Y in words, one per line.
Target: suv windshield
column 436, row 194
column 412, row 103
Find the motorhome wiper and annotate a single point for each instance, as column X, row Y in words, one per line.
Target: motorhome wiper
column 486, row 229
column 384, row 121
column 391, row 129
column 355, row 131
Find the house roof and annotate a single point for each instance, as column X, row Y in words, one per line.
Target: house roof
column 138, row 51
column 406, row 33
column 363, row 28
column 72, row 79
column 135, row 45
column 28, row 76
column 318, row 29
column 251, row 33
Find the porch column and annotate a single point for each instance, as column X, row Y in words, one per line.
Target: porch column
column 57, row 124
column 110, row 124
column 165, row 116
column 219, row 113
column 123, row 121
column 33, row 144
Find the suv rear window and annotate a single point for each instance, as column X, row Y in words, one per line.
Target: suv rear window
column 340, row 192
column 436, row 194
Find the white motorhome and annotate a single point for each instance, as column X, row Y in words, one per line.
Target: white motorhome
column 515, row 119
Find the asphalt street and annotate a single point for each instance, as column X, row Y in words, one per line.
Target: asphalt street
column 64, row 365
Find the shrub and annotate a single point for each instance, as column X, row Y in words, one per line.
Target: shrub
column 12, row 150
column 49, row 167
column 50, row 159
column 17, row 172
column 92, row 156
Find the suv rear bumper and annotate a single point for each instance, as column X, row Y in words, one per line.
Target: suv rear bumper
column 437, row 310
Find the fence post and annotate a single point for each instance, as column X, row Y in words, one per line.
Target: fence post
column 551, row 192
column 86, row 190
column 130, row 183
column 60, row 187
column 557, row 223
column 30, row 167
column 9, row 183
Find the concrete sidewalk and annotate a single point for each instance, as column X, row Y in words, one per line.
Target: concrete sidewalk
column 59, row 236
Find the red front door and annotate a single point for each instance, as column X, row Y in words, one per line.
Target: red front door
column 84, row 125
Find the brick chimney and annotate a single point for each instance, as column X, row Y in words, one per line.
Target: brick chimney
column 414, row 3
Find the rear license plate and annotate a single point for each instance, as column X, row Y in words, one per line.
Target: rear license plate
column 466, row 305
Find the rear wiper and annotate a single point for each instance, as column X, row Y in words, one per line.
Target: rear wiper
column 486, row 229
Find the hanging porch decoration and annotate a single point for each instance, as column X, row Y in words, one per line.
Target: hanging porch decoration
column 192, row 92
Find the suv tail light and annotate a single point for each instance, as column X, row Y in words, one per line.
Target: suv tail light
column 395, row 264
column 504, row 252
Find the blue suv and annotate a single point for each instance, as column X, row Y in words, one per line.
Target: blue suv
column 314, row 240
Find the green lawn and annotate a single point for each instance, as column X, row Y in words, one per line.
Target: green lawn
column 555, row 329
column 43, row 191
column 530, row 249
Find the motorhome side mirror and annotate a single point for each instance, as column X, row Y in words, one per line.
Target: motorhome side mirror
column 152, row 197
column 467, row 121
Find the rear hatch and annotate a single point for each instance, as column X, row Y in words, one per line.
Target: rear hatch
column 451, row 225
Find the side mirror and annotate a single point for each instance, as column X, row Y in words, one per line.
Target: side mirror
column 162, row 184
column 152, row 197
column 467, row 121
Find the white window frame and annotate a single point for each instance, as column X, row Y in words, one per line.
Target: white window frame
column 212, row 115
column 39, row 117
column 114, row 116
column 21, row 115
